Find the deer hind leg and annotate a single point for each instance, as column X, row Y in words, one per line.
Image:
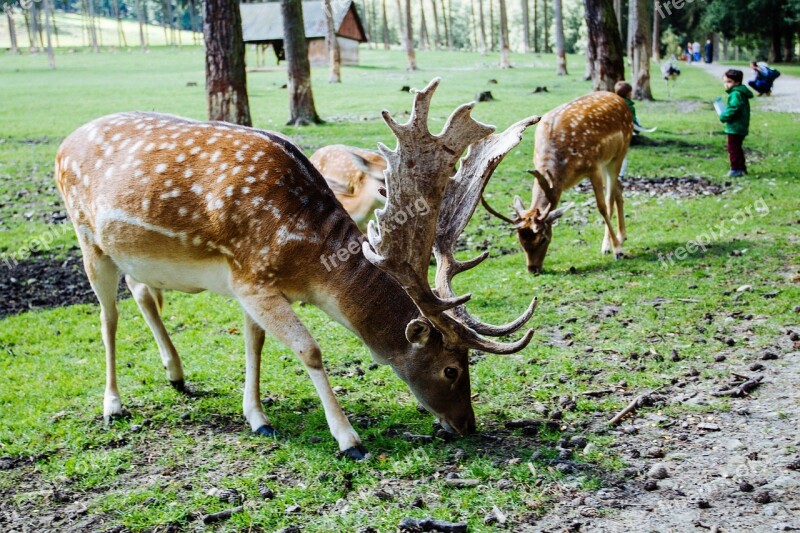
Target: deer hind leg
column 151, row 302
column 251, row 402
column 275, row 315
column 610, row 239
column 103, row 275
column 616, row 192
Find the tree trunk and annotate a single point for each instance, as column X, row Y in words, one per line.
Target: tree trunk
column 641, row 49
column 51, row 59
column 367, row 21
column 656, row 35
column 385, row 28
column 33, row 29
column 775, row 49
column 788, row 44
column 12, row 30
column 505, row 62
column 561, row 53
column 120, row 32
column 618, row 13
column 55, row 26
column 474, row 25
column 605, row 44
column 491, row 25
column 588, row 74
column 193, row 20
column 424, row 41
column 725, row 54
column 446, row 25
column 92, row 26
column 526, row 28
column 545, row 28
column 140, row 17
column 301, row 99
column 412, row 58
column 482, row 32
column 436, row 37
column 332, row 45
column 401, row 31
column 536, row 48
column 450, row 35
column 226, row 79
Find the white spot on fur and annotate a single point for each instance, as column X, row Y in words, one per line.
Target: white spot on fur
column 181, row 158
column 161, row 168
column 197, row 189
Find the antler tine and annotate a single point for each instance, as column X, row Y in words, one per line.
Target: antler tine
column 417, row 175
column 459, row 204
column 494, row 212
column 421, row 169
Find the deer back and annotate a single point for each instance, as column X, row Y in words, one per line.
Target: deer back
column 185, row 195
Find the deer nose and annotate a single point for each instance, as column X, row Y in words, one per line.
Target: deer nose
column 535, row 269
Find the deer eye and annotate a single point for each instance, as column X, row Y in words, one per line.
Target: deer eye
column 450, row 373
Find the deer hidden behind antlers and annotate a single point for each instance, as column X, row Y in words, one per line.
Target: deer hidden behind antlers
column 179, row 204
column 355, row 176
column 587, row 137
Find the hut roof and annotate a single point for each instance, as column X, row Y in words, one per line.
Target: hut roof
column 264, row 22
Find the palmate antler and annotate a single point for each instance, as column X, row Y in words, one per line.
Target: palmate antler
column 422, row 169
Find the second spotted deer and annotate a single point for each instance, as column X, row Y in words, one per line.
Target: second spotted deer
column 588, row 137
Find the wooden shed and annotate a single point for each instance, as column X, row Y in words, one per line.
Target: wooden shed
column 263, row 24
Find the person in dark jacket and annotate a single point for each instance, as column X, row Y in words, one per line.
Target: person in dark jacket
column 736, row 118
column 709, row 51
column 765, row 77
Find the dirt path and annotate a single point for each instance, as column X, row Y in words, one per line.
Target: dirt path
column 727, row 470
column 785, row 92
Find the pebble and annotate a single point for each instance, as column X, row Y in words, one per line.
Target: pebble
column 650, row 485
column 745, row 288
column 578, row 441
column 655, row 452
column 658, row 471
column 745, row 486
column 703, row 504
column 762, row 497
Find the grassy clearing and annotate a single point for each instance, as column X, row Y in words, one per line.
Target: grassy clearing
column 156, row 468
column 71, row 32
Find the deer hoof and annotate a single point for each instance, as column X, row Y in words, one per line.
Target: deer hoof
column 179, row 385
column 108, row 419
column 619, row 255
column 356, row 453
column 267, row 431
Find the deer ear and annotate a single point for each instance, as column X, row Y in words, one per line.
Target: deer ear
column 558, row 213
column 418, row 331
column 519, row 207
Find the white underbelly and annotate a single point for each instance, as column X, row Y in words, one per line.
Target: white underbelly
column 209, row 275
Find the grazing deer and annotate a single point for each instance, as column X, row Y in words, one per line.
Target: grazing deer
column 179, row 204
column 355, row 176
column 587, row 137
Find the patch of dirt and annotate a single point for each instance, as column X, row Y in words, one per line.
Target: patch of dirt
column 726, row 471
column 668, row 187
column 41, row 282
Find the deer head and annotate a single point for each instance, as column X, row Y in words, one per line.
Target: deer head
column 422, row 171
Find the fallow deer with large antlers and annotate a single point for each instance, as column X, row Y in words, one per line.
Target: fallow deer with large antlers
column 587, row 137
column 355, row 176
column 179, row 204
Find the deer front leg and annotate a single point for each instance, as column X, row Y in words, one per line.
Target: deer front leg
column 251, row 403
column 150, row 302
column 610, row 238
column 275, row 315
column 623, row 235
column 103, row 276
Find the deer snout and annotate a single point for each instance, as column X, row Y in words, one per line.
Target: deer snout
column 535, row 269
column 463, row 425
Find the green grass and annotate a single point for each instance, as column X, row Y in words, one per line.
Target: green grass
column 52, row 363
column 72, row 33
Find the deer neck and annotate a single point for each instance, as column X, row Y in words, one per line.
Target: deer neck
column 367, row 301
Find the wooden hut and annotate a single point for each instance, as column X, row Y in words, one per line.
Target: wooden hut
column 263, row 24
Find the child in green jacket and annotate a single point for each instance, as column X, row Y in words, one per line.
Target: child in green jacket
column 736, row 118
column 624, row 90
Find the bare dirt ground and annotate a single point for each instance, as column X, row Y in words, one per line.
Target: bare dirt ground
column 718, row 471
column 785, row 92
